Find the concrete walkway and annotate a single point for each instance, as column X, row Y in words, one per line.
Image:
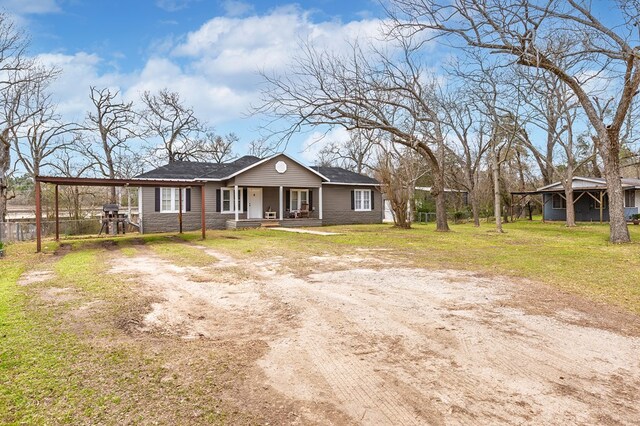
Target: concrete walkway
column 305, row 231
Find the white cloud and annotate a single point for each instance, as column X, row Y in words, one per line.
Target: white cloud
column 214, row 68
column 173, row 5
column 236, row 8
column 25, row 7
column 79, row 72
column 232, row 45
column 314, row 143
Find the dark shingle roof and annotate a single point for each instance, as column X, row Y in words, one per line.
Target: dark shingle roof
column 340, row 175
column 197, row 169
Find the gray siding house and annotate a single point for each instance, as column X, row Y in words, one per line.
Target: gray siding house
column 589, row 199
column 250, row 192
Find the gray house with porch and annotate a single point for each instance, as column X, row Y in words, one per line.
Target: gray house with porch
column 590, row 199
column 252, row 192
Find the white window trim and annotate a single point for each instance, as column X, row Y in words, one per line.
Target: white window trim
column 233, row 204
column 558, row 208
column 174, row 200
column 355, row 204
column 625, row 198
column 299, row 190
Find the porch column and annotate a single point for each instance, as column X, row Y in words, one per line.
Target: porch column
column 180, row 210
column 57, row 216
column 601, row 200
column 320, row 203
column 140, row 210
column 280, row 203
column 236, row 202
column 202, row 213
column 38, row 218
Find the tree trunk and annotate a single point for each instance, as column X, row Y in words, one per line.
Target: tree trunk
column 474, row 209
column 619, row 233
column 570, row 211
column 497, row 208
column 5, row 164
column 438, row 189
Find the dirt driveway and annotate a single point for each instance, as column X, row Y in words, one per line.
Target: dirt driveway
column 364, row 341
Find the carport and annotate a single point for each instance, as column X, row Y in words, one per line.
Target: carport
column 104, row 182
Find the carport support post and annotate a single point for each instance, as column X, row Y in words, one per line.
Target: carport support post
column 202, row 213
column 180, row 210
column 57, row 217
column 280, row 203
column 38, row 215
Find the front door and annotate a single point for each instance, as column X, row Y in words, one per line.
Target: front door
column 254, row 198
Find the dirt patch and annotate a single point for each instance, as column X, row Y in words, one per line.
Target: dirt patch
column 56, row 295
column 63, row 248
column 36, row 276
column 360, row 341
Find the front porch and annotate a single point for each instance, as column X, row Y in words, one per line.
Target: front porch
column 267, row 203
column 267, row 223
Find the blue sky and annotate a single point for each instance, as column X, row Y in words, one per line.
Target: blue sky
column 209, row 51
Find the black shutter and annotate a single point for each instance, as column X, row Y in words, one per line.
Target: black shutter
column 157, row 199
column 353, row 200
column 373, row 195
column 244, row 197
column 218, row 200
column 287, row 199
column 310, row 199
column 187, row 201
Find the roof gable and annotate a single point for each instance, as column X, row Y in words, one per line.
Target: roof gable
column 278, row 170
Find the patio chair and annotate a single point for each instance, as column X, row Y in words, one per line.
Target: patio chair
column 304, row 210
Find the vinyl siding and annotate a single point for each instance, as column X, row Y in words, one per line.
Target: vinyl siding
column 153, row 221
column 337, row 206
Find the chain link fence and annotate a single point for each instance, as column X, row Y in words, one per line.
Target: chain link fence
column 26, row 231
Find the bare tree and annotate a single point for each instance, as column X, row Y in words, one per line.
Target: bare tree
column 41, row 133
column 72, row 163
column 16, row 69
column 115, row 123
column 261, row 148
column 354, row 154
column 166, row 118
column 397, row 171
column 365, row 91
column 525, row 30
column 215, row 148
column 469, row 130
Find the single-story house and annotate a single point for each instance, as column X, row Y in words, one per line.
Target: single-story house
column 589, row 199
column 251, row 191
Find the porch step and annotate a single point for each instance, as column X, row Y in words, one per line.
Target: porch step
column 270, row 223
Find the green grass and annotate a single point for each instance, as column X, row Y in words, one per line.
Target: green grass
column 63, row 365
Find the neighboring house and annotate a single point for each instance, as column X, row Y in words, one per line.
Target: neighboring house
column 589, row 198
column 422, row 192
column 251, row 191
